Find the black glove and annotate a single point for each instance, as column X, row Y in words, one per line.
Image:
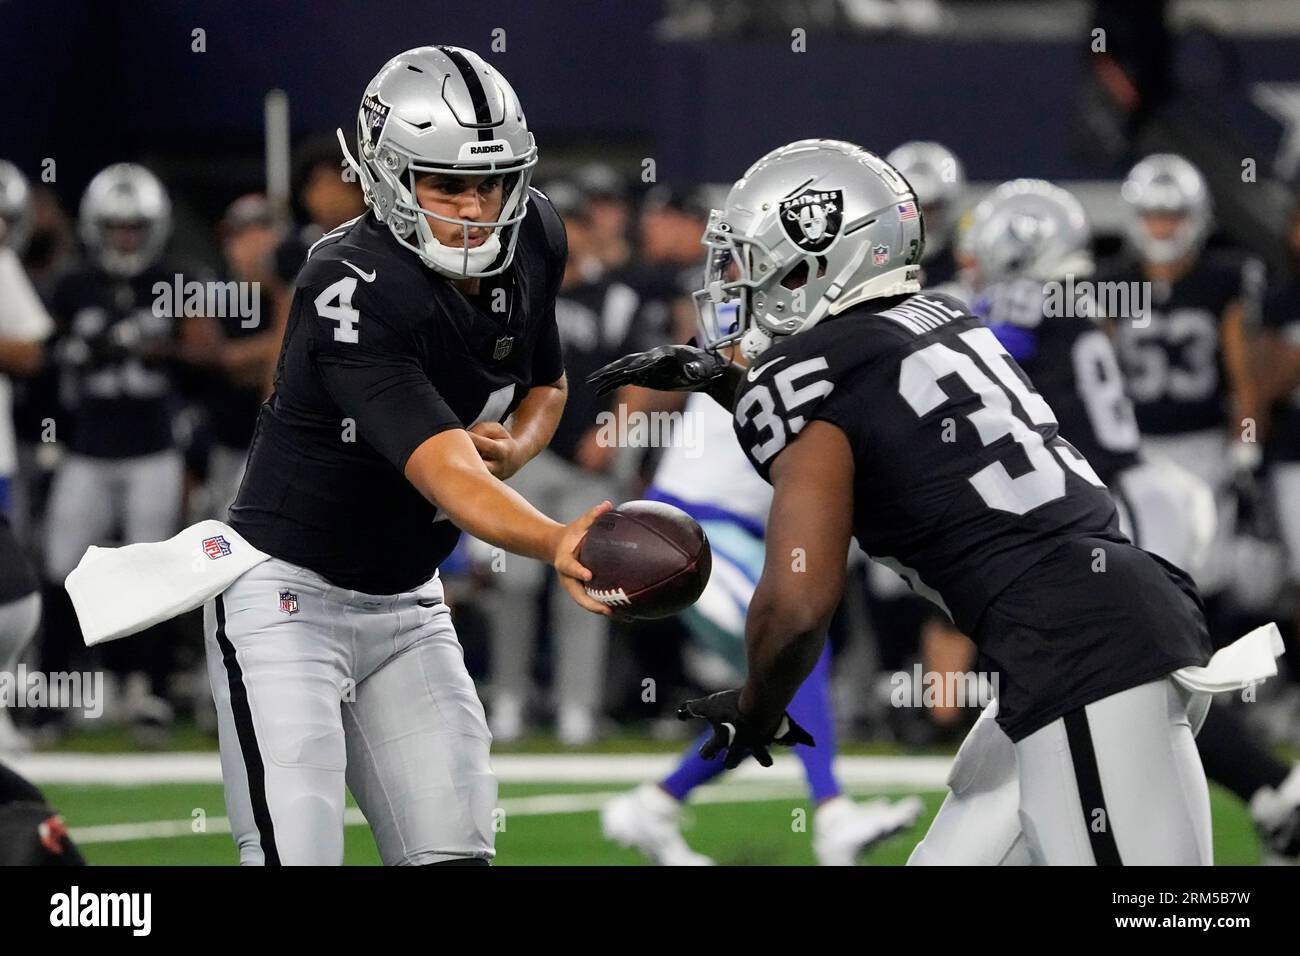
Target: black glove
column 733, row 732
column 668, row 368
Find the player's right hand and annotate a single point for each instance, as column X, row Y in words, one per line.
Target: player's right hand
column 668, row 368
column 573, row 576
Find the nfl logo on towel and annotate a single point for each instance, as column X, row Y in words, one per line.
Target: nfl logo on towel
column 288, row 602
column 216, row 547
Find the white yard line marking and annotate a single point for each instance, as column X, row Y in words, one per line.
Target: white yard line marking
column 541, row 805
column 881, row 773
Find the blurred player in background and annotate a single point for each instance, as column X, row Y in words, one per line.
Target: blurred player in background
column 118, row 344
column 1279, row 375
column 597, row 320
column 610, row 209
column 31, row 832
column 244, row 360
column 24, row 327
column 326, row 195
column 939, row 180
column 1186, row 360
column 704, row 472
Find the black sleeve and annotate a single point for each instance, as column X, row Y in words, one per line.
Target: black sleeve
column 375, row 380
column 548, row 357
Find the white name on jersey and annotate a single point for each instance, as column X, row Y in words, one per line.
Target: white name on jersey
column 920, row 314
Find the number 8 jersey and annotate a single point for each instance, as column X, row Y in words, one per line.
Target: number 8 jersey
column 962, row 481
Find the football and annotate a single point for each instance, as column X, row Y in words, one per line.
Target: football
column 648, row 560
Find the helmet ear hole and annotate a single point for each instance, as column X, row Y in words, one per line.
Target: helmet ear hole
column 797, row 276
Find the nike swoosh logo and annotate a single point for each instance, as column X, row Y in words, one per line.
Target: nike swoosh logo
column 357, row 269
column 754, row 373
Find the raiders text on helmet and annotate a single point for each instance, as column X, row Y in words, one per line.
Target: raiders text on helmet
column 811, row 229
column 1166, row 183
column 443, row 110
column 125, row 219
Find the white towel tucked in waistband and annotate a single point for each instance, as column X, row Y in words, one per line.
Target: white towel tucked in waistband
column 120, row 591
column 1247, row 660
column 1250, row 658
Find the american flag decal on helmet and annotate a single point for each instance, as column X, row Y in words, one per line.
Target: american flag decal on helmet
column 906, row 211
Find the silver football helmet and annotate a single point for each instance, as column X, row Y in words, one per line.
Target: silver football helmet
column 16, row 212
column 939, row 180
column 442, row 109
column 810, row 229
column 1166, row 183
column 1028, row 229
column 125, row 219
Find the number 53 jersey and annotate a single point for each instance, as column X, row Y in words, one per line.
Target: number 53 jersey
column 962, row 483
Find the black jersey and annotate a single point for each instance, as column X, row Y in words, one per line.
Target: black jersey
column 1072, row 363
column 381, row 353
column 598, row 323
column 111, row 334
column 1282, row 317
column 963, row 485
column 1171, row 351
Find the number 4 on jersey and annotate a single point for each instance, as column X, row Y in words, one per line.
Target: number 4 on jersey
column 342, row 312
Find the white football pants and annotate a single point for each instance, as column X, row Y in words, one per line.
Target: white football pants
column 1116, row 782
column 317, row 686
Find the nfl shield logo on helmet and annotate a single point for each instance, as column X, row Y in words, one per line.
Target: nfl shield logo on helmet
column 812, row 218
column 216, row 547
column 880, row 254
column 288, row 602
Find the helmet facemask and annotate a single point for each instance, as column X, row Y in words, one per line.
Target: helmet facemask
column 388, row 174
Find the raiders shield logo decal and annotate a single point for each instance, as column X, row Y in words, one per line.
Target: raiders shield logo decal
column 376, row 117
column 812, row 218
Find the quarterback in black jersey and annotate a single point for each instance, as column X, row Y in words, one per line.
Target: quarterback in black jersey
column 415, row 332
column 1184, row 349
column 898, row 418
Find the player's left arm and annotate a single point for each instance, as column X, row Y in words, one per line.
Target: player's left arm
column 808, row 532
column 803, row 576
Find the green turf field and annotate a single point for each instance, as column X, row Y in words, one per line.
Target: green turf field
column 543, row 824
